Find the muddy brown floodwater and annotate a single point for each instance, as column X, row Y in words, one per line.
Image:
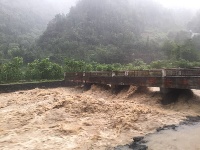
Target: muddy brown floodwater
column 70, row 119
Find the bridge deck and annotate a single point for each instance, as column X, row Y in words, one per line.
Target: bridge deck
column 165, row 78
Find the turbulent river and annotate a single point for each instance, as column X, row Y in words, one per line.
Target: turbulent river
column 73, row 119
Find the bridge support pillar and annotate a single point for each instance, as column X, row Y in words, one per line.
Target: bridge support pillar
column 165, row 90
column 87, row 86
column 170, row 95
column 117, row 88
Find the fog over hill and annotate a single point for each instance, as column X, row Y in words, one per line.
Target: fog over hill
column 111, row 31
column 106, row 31
column 23, row 21
column 46, row 9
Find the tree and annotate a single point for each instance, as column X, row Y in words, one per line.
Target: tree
column 188, row 51
column 11, row 71
column 43, row 70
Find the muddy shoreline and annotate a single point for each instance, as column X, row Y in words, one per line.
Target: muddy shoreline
column 140, row 142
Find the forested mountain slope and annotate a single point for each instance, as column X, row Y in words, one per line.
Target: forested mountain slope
column 22, row 21
column 106, row 31
column 110, row 31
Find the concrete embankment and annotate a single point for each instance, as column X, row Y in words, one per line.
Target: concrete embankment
column 5, row 88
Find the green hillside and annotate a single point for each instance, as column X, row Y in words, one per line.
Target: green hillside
column 21, row 23
column 111, row 31
column 106, row 31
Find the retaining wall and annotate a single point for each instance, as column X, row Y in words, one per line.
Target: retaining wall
column 5, row 88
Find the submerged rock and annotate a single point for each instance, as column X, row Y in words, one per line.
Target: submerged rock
column 137, row 144
column 167, row 127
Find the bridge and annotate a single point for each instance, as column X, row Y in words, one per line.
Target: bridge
column 163, row 78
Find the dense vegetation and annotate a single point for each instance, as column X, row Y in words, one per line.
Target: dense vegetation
column 15, row 71
column 21, row 23
column 38, row 70
column 117, row 32
column 95, row 35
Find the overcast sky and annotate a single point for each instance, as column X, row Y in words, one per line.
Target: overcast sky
column 190, row 4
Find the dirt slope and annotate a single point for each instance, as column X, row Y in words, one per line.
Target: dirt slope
column 67, row 118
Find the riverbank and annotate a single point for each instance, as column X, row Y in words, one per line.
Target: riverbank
column 184, row 136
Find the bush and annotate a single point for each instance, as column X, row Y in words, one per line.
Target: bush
column 43, row 70
column 11, row 71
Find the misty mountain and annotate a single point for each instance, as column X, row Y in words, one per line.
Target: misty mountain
column 106, row 31
column 194, row 24
column 111, row 30
column 22, row 21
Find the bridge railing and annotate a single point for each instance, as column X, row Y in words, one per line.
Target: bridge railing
column 74, row 76
column 182, row 72
column 144, row 73
column 80, row 76
column 99, row 73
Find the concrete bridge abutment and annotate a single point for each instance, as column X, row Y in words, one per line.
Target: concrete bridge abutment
column 87, row 86
column 171, row 95
column 117, row 88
